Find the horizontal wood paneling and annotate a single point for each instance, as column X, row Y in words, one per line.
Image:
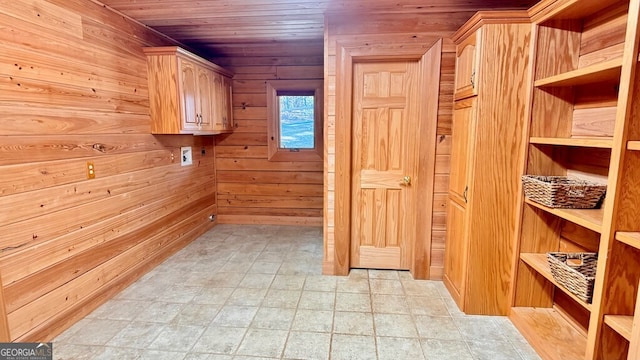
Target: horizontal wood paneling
column 252, row 189
column 73, row 89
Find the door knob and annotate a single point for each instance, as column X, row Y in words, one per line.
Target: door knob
column 406, row 181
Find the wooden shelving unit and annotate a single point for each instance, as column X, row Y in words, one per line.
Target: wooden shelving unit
column 539, row 263
column 592, row 142
column 588, row 218
column 633, row 145
column 583, row 123
column 622, row 324
column 570, row 9
column 629, row 238
column 549, row 333
column 600, row 72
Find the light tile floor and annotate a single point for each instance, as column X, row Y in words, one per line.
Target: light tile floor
column 256, row 292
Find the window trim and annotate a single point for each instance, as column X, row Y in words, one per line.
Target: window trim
column 275, row 152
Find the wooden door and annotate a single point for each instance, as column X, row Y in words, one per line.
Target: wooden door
column 457, row 240
column 455, row 264
column 189, row 94
column 467, row 61
column 462, row 135
column 384, row 164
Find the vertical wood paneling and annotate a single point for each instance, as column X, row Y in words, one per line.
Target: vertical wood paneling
column 279, row 192
column 400, row 30
column 73, row 89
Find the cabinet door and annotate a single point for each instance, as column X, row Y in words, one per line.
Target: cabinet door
column 227, row 109
column 206, row 99
column 462, row 148
column 189, row 95
column 455, row 262
column 218, row 95
column 467, row 63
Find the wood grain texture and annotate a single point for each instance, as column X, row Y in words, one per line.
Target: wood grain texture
column 596, row 73
column 252, row 189
column 373, row 33
column 74, row 90
column 486, row 167
column 549, row 334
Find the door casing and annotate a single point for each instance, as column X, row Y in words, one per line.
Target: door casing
column 429, row 56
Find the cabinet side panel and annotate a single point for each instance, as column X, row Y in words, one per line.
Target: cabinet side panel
column 496, row 174
column 164, row 103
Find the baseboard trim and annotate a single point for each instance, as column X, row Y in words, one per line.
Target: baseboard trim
column 269, row 220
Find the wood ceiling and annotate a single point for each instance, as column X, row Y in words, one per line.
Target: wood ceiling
column 269, row 27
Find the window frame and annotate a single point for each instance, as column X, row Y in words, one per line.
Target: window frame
column 288, row 87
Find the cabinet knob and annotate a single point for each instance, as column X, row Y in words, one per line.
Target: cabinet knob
column 406, row 181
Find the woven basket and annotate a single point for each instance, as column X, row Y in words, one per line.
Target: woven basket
column 563, row 192
column 578, row 278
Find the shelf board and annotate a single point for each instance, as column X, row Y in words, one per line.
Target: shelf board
column 629, row 238
column 633, row 145
column 575, row 9
column 622, row 324
column 540, row 264
column 594, row 142
column 549, row 333
column 603, row 71
column 588, row 218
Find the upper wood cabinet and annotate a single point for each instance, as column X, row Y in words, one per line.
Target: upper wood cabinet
column 486, row 159
column 467, row 63
column 188, row 95
column 223, row 109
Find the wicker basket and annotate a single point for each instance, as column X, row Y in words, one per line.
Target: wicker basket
column 578, row 278
column 563, row 192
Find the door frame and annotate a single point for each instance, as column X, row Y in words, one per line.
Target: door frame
column 346, row 55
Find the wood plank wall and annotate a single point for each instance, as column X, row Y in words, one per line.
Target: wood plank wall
column 73, row 89
column 252, row 189
column 400, row 30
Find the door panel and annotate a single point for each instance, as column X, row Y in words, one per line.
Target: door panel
column 384, row 152
column 462, row 135
column 189, row 95
column 456, row 250
column 206, row 98
column 467, row 60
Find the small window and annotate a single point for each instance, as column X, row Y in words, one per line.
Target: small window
column 295, row 120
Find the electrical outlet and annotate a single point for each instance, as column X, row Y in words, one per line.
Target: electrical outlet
column 91, row 170
column 186, row 156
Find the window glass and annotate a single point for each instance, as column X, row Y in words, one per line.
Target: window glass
column 296, row 121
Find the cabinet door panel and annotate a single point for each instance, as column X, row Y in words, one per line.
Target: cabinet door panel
column 218, row 91
column 205, row 91
column 189, row 94
column 455, row 263
column 467, row 61
column 227, row 110
column 462, row 147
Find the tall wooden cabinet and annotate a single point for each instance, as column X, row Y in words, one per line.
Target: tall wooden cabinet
column 489, row 115
column 188, row 95
column 584, row 122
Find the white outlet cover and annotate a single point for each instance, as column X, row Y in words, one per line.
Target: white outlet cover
column 186, row 157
